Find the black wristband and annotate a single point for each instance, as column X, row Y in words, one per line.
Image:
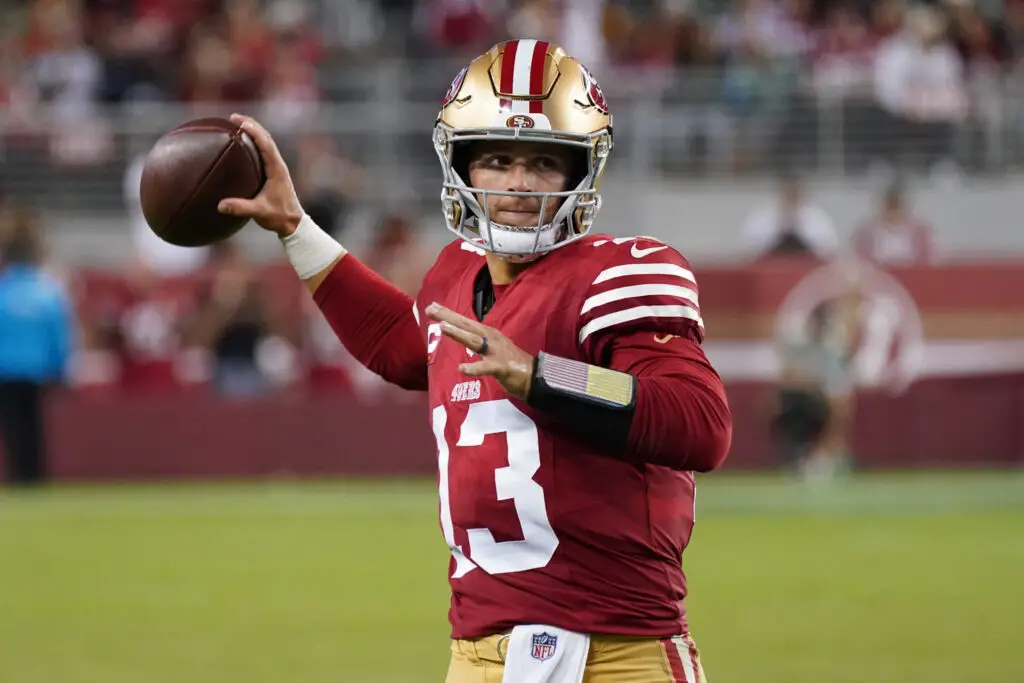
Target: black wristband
column 595, row 403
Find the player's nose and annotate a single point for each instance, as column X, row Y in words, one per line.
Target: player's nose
column 519, row 178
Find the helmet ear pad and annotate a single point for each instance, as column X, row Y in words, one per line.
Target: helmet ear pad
column 462, row 152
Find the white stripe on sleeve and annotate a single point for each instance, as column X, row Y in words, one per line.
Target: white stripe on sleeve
column 636, row 313
column 636, row 291
column 644, row 269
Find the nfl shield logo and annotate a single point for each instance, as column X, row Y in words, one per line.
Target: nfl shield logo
column 543, row 646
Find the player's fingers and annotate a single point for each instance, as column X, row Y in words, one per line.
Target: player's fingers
column 436, row 311
column 240, row 207
column 468, row 339
column 484, row 368
column 273, row 162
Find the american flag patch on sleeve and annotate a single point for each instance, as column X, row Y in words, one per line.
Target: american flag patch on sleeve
column 584, row 381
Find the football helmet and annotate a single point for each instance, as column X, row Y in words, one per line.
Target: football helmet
column 523, row 90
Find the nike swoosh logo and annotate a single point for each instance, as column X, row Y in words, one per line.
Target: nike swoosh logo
column 640, row 253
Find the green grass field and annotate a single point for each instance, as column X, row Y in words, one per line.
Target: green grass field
column 884, row 579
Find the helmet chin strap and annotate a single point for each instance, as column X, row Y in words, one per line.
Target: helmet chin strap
column 475, row 223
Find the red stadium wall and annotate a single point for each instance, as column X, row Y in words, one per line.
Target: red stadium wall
column 963, row 405
column 960, row 422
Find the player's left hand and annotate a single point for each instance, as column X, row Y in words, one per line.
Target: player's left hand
column 499, row 357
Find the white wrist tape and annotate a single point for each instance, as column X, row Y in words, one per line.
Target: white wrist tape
column 309, row 249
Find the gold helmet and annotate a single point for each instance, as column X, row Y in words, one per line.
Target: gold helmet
column 523, row 90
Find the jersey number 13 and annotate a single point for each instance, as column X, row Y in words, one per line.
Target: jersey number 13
column 514, row 482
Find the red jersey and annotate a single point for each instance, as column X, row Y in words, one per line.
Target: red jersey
column 543, row 529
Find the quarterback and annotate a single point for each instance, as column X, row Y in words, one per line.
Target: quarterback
column 569, row 394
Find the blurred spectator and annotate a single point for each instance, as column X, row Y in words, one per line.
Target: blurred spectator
column 397, row 254
column 64, row 71
column 920, row 87
column 763, row 42
column 327, row 182
column 843, row 57
column 289, row 94
column 887, row 17
column 463, row 28
column 816, row 391
column 232, row 318
column 842, row 73
column 1014, row 28
column 984, row 50
column 982, row 45
column 764, row 28
column 36, row 333
column 580, row 30
column 355, row 25
column 894, row 237
column 791, row 225
column 210, row 74
column 136, row 317
column 330, row 367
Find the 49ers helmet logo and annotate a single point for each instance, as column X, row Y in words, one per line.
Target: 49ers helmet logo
column 453, row 89
column 594, row 92
column 519, row 121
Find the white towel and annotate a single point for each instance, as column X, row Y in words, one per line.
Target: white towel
column 545, row 654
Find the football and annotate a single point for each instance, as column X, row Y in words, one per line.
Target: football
column 186, row 174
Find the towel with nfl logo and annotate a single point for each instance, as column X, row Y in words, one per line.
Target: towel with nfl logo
column 545, row 654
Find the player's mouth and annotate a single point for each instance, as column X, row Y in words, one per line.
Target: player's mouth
column 517, row 218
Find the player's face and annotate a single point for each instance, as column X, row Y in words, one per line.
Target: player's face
column 520, row 167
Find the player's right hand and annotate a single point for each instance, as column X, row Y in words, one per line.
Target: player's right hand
column 276, row 208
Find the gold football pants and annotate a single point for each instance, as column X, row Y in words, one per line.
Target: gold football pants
column 611, row 660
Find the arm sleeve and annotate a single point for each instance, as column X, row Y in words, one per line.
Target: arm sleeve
column 641, row 315
column 376, row 322
column 681, row 417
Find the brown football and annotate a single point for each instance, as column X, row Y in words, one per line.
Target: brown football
column 188, row 171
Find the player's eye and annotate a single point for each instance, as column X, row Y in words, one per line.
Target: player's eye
column 499, row 161
column 548, row 163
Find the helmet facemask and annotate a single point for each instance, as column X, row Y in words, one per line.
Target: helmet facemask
column 467, row 216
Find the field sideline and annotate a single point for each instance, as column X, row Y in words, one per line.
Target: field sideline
column 894, row 578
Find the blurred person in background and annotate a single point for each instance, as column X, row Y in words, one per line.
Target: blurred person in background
column 328, row 183
column 894, row 237
column 814, row 400
column 36, row 338
column 459, row 28
column 137, row 319
column 842, row 76
column 763, row 42
column 791, row 226
column 985, row 51
column 397, row 254
column 290, row 90
column 233, row 320
column 920, row 89
column 801, row 408
column 66, row 75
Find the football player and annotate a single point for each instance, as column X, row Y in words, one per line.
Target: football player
column 569, row 394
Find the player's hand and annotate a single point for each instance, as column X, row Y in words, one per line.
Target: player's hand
column 276, row 208
column 500, row 358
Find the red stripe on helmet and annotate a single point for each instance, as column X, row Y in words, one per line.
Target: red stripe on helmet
column 508, row 70
column 540, row 51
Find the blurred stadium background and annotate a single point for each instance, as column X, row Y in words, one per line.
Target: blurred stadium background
column 234, row 500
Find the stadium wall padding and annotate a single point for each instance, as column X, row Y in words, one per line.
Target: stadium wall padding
column 936, row 423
